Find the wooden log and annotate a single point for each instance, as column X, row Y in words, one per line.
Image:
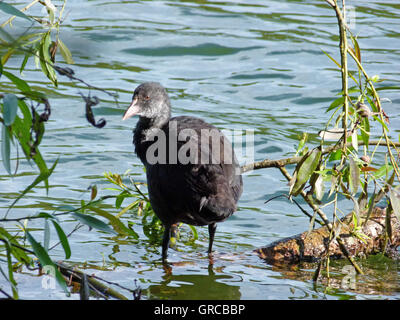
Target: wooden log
column 310, row 247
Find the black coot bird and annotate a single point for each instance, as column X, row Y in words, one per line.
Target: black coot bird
column 192, row 172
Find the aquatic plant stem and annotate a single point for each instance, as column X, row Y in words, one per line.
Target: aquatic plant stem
column 340, row 15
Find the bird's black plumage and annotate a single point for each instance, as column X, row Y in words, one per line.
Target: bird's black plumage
column 192, row 173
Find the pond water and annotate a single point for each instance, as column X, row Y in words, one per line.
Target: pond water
column 239, row 65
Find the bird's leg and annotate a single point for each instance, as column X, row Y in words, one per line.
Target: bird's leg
column 173, row 235
column 165, row 243
column 211, row 231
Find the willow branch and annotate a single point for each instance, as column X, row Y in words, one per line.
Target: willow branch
column 267, row 163
column 340, row 15
column 378, row 103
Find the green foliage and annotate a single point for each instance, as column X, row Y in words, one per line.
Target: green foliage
column 347, row 160
column 152, row 226
column 45, row 260
column 140, row 207
column 24, row 126
column 9, row 9
column 304, row 170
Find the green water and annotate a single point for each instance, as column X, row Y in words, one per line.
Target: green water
column 237, row 64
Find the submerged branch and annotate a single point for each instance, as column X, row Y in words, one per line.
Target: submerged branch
column 94, row 284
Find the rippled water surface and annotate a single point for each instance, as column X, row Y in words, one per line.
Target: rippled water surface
column 237, row 64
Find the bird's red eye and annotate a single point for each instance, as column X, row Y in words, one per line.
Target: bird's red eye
column 147, row 97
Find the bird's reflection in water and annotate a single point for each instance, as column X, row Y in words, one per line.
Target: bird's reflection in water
column 201, row 284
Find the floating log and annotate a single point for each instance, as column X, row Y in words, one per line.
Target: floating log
column 311, row 246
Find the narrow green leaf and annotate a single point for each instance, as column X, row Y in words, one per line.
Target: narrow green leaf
column 46, row 215
column 93, row 222
column 356, row 211
column 128, row 207
column 395, row 200
column 118, row 201
column 365, row 132
column 383, row 170
column 45, row 59
column 18, row 253
column 8, row 8
column 66, row 208
column 302, row 143
column 10, row 271
column 371, row 204
column 23, row 64
column 372, row 104
column 63, row 239
column 354, row 176
column 60, row 232
column 45, row 260
column 319, row 187
column 330, row 57
column 10, row 108
column 335, row 155
column 194, row 231
column 93, row 192
column 333, row 134
column 115, row 222
column 382, row 123
column 50, row 10
column 292, row 181
column 351, row 90
column 336, row 103
column 5, row 148
column 305, row 169
column 334, row 179
column 26, row 112
column 388, row 220
column 354, row 140
column 357, row 51
column 46, row 236
column 388, row 88
column 66, row 54
column 19, row 83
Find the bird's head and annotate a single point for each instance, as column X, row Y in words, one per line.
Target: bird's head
column 150, row 100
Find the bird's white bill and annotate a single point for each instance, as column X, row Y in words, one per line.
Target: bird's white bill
column 132, row 110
